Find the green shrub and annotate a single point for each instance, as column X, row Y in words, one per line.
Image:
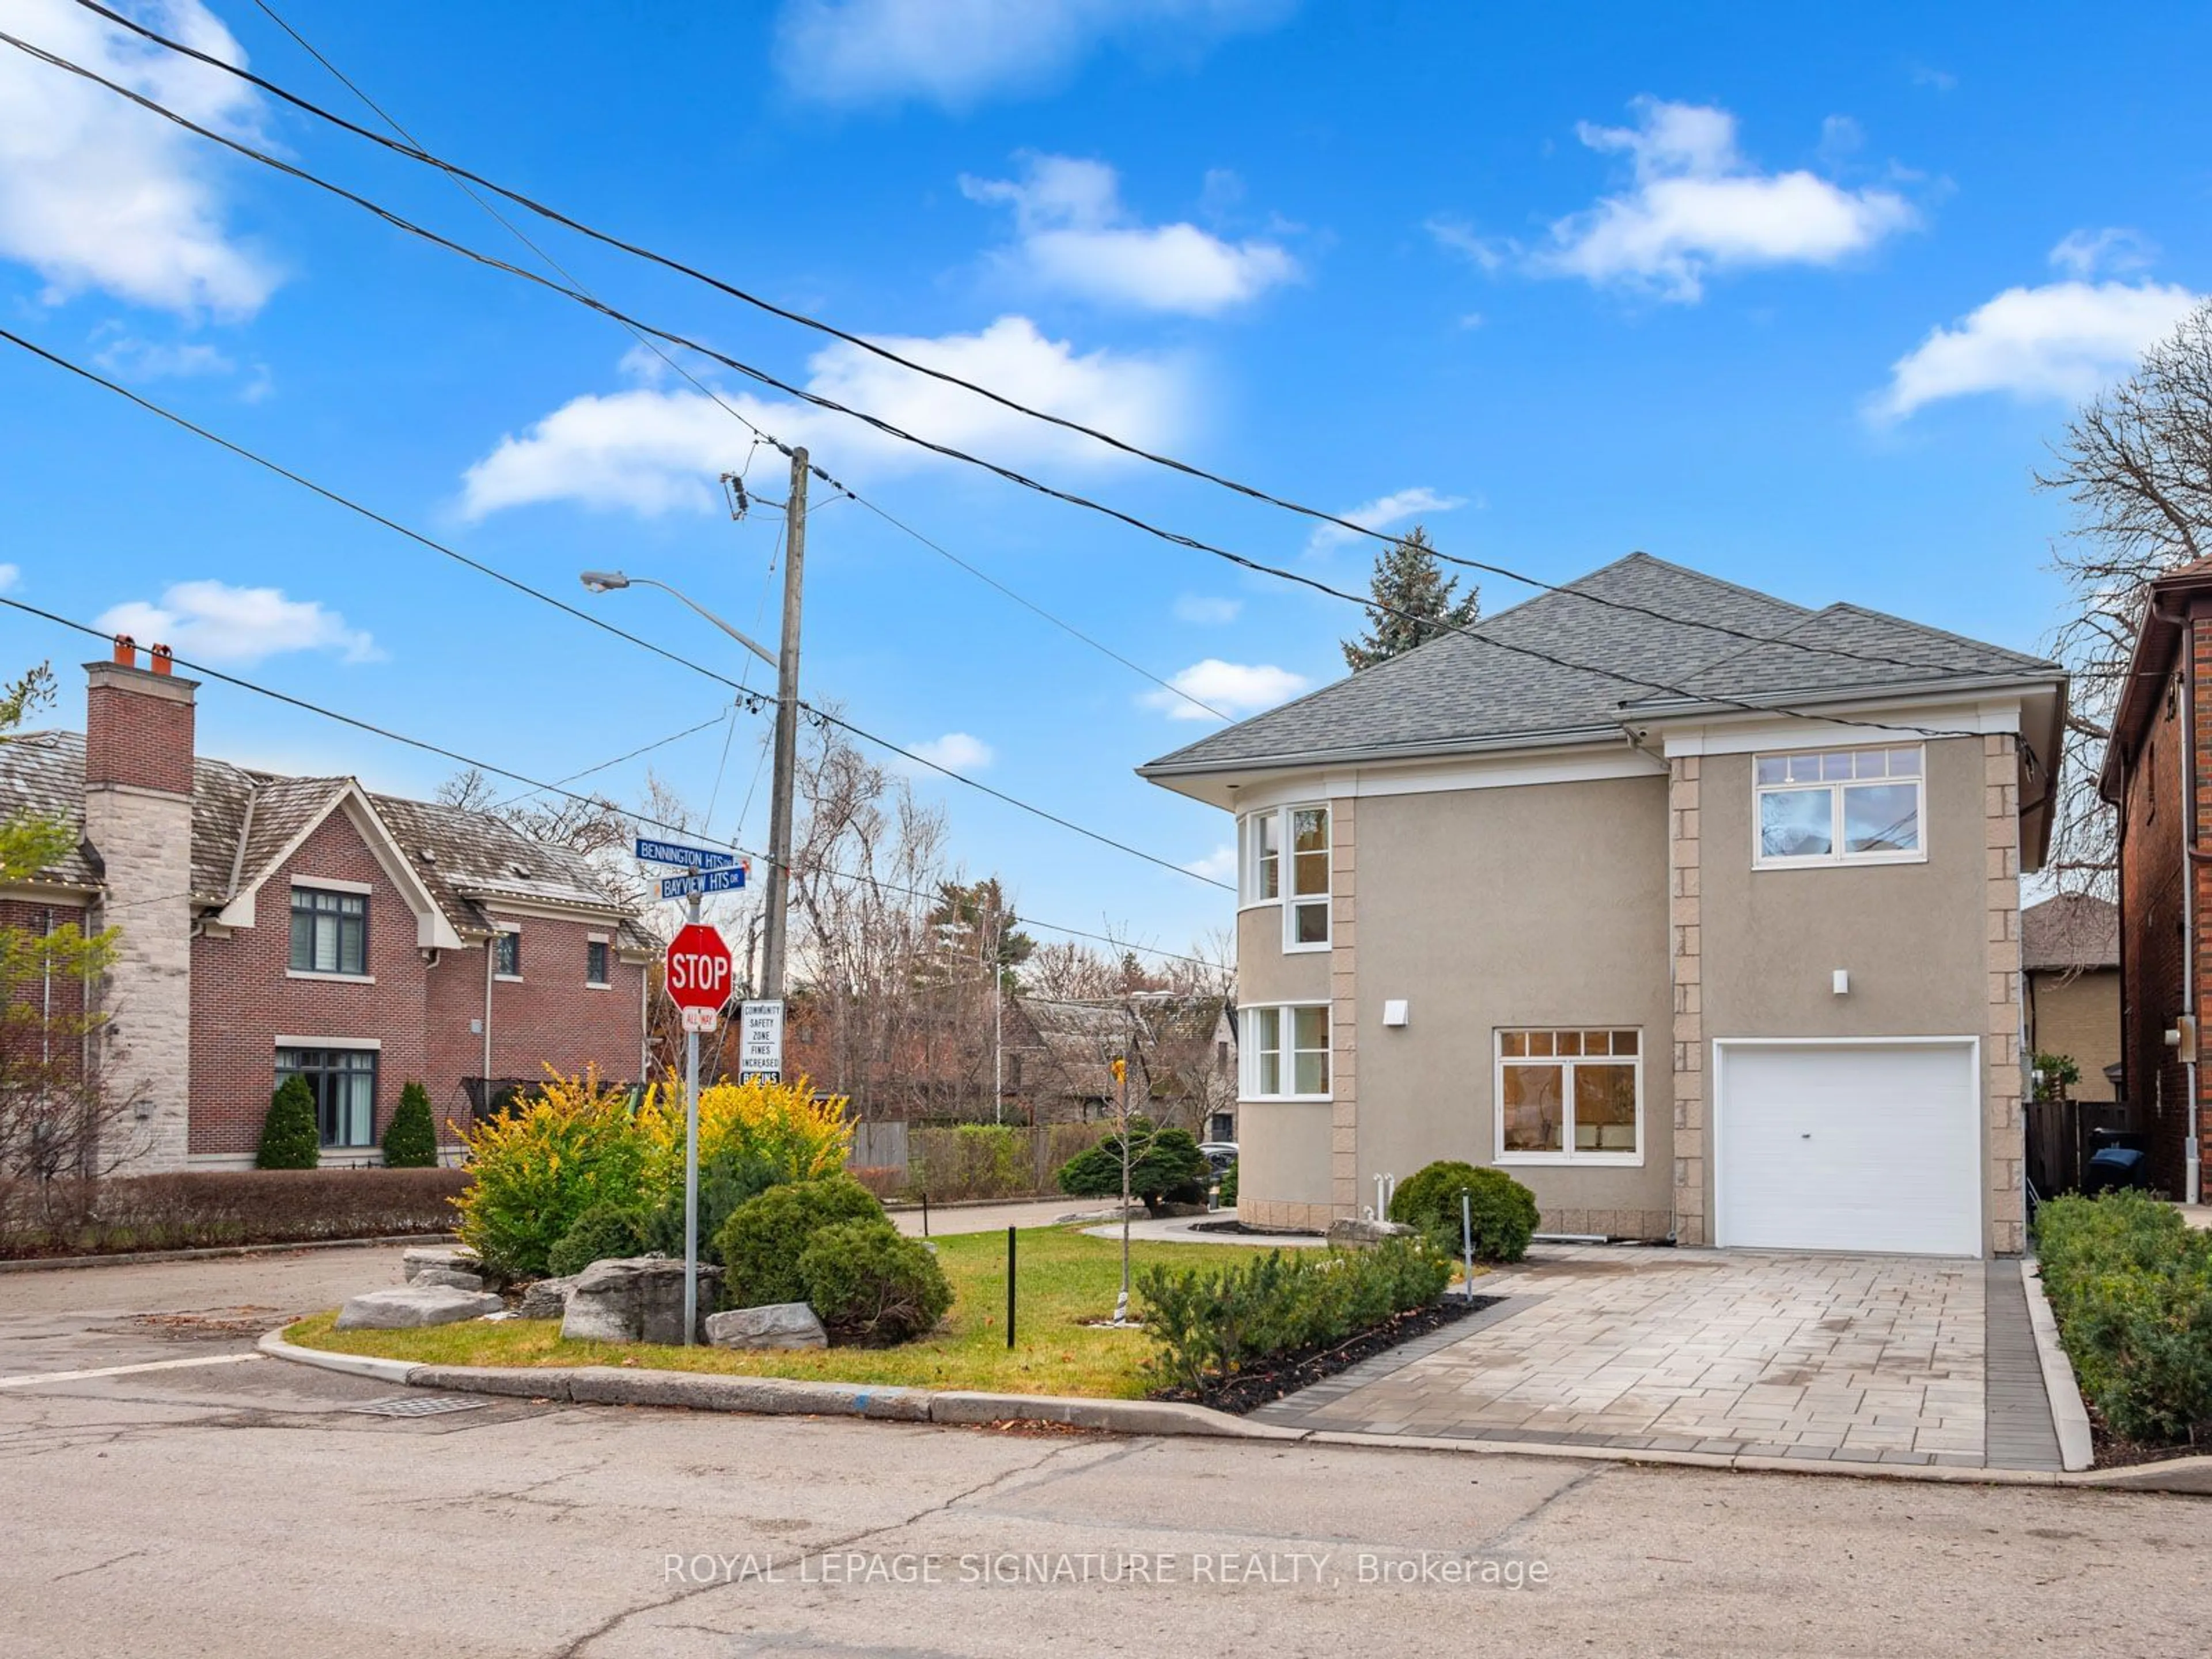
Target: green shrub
column 1227, row 1190
column 605, row 1232
column 870, row 1285
column 727, row 1180
column 970, row 1160
column 1503, row 1210
column 289, row 1137
column 571, row 1145
column 1209, row 1325
column 762, row 1242
column 2132, row 1288
column 1165, row 1167
column 410, row 1139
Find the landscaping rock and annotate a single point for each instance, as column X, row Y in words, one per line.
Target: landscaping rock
column 451, row 1279
column 546, row 1298
column 633, row 1299
column 442, row 1258
column 774, row 1325
column 410, row 1307
column 1354, row 1233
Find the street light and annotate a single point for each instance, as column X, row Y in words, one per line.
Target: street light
column 607, row 581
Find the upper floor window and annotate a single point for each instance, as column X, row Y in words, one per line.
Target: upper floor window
column 330, row 932
column 1840, row 806
column 595, row 961
column 506, row 954
column 1298, row 836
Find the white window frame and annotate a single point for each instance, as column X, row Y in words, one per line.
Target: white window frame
column 1249, row 1050
column 1252, row 869
column 1760, row 859
column 1568, row 1152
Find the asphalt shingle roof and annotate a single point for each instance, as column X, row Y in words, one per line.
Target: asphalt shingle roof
column 1560, row 668
column 2072, row 931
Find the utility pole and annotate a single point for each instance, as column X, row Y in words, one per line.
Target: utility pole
column 786, row 736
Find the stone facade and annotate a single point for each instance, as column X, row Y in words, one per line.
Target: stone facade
column 1685, row 954
column 1344, row 1170
column 2001, row 1057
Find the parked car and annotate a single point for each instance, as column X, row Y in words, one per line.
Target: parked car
column 1220, row 1153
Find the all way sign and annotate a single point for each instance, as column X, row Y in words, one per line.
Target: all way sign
column 690, row 858
column 711, row 881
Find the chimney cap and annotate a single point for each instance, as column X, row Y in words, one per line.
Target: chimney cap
column 161, row 661
column 127, row 650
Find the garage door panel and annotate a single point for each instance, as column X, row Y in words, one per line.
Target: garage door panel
column 1849, row 1146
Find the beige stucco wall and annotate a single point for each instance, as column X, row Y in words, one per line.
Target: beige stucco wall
column 2078, row 1016
column 1265, row 972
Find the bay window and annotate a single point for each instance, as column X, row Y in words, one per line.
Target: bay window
column 1285, row 1053
column 1300, row 835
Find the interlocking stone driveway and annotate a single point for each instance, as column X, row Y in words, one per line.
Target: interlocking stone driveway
column 1855, row 1359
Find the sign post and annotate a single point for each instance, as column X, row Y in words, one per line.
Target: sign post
column 696, row 972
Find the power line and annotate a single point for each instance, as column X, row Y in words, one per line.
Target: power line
column 1172, row 537
column 643, row 748
column 755, row 702
column 413, row 151
column 533, row 784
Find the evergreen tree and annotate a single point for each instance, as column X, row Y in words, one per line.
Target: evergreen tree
column 1415, row 602
column 289, row 1139
column 410, row 1139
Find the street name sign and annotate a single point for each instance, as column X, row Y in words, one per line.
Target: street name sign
column 727, row 880
column 689, row 858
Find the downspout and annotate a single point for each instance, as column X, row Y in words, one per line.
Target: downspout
column 47, row 994
column 2192, row 1172
column 491, row 956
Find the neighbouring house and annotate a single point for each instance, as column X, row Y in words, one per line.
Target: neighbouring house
column 1695, row 909
column 2069, row 950
column 2154, row 774
column 1182, row 1054
column 272, row 926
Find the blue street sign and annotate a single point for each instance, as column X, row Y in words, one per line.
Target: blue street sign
column 691, row 858
column 712, row 881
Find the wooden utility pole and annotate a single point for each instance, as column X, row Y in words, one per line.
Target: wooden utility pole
column 786, row 736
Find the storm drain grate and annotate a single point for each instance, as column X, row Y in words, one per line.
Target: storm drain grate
column 417, row 1405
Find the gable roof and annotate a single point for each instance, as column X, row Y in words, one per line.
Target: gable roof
column 2072, row 931
column 1560, row 669
column 247, row 823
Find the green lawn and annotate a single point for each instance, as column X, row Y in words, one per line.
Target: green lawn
column 1065, row 1278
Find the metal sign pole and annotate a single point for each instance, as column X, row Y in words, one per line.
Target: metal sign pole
column 692, row 1167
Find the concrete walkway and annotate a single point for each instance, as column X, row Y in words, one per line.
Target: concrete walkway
column 1851, row 1358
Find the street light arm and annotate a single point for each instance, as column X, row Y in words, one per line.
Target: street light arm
column 765, row 655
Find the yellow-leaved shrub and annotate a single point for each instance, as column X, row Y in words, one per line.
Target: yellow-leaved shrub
column 573, row 1143
column 775, row 1132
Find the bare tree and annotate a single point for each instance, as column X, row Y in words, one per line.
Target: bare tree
column 2137, row 463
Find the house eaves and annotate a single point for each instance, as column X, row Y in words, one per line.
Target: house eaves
column 434, row 929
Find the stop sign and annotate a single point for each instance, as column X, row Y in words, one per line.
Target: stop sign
column 698, row 967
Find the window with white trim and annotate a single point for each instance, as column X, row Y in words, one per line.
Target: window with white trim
column 1840, row 806
column 1284, row 1051
column 1571, row 1096
column 1297, row 837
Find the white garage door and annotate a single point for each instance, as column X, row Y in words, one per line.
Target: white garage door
column 1848, row 1147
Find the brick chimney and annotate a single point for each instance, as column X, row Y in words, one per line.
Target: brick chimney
column 138, row 817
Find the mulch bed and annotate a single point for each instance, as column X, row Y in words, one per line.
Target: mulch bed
column 2111, row 1451
column 1286, row 1374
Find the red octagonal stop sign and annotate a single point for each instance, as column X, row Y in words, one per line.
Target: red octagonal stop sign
column 698, row 967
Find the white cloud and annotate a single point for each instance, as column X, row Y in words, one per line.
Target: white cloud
column 955, row 52
column 1235, row 688
column 652, row 451
column 96, row 193
column 215, row 623
column 1073, row 235
column 2064, row 340
column 957, row 751
column 2085, row 253
column 9, row 575
column 1200, row 608
column 1381, row 514
column 1697, row 207
column 1219, row 865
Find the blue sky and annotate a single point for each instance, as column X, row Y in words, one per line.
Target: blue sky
column 1796, row 299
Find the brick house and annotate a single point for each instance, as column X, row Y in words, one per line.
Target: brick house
column 2156, row 773
column 274, row 925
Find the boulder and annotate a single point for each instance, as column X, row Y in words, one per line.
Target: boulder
column 450, row 1278
column 774, row 1325
column 633, row 1299
column 545, row 1298
column 443, row 1258
column 410, row 1307
column 1354, row 1233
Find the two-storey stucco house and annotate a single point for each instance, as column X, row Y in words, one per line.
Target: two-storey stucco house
column 271, row 927
column 1696, row 910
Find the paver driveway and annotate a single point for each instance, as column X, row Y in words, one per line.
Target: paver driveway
column 1855, row 1359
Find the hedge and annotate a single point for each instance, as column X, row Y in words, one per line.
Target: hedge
column 2132, row 1287
column 205, row 1208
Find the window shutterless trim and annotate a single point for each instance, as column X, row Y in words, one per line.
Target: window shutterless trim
column 1285, row 1050
column 1567, row 1154
column 333, row 884
column 1836, row 856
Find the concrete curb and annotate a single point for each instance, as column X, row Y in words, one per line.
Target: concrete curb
column 132, row 1258
column 606, row 1385
column 2068, row 1414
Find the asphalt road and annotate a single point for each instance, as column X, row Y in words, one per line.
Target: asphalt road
column 245, row 1508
